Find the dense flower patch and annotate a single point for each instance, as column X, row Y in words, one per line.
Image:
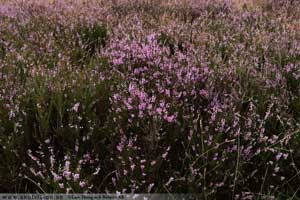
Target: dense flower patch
column 123, row 96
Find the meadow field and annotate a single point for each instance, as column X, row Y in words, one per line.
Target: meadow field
column 149, row 96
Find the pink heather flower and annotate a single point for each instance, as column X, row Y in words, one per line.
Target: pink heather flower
column 87, row 157
column 220, row 184
column 67, row 175
column 33, row 72
column 215, row 156
column 97, row 171
column 150, row 187
column 142, row 161
column 118, row 61
column 76, row 147
column 151, row 38
column 31, row 156
column 67, row 165
column 102, row 77
column 113, row 180
column 153, row 163
column 169, row 181
column 204, row 93
column 164, row 156
column 167, row 92
column 56, row 177
column 82, row 184
column 61, row 185
column 120, row 147
column 76, row 177
column 52, row 161
column 132, row 167
column 76, row 106
column 142, row 106
column 40, row 174
column 68, row 190
column 278, row 156
column 247, row 136
column 159, row 111
column 11, row 114
column 50, row 87
column 170, row 119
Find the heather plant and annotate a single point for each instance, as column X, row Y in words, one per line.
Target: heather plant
column 205, row 101
column 74, row 174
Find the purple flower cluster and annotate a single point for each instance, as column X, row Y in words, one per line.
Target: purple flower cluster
column 66, row 176
column 157, row 87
